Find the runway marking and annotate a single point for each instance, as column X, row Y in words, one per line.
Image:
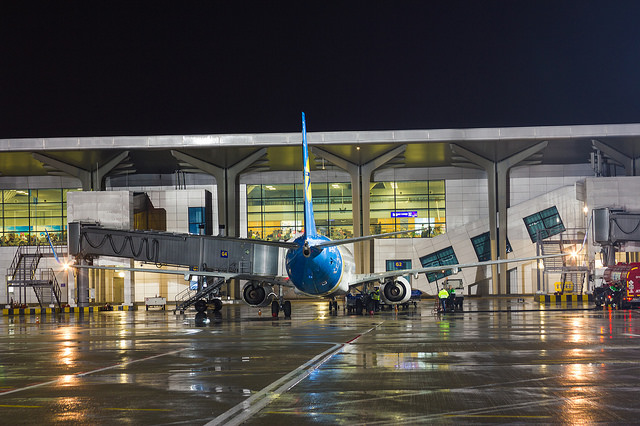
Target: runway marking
column 86, row 373
column 138, row 409
column 20, row 406
column 496, row 415
column 247, row 408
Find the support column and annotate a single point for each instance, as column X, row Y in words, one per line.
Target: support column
column 71, row 287
column 489, row 167
column 91, row 180
column 366, row 170
column 228, row 196
column 82, row 275
column 361, row 208
column 502, row 168
column 498, row 178
column 630, row 164
column 227, row 184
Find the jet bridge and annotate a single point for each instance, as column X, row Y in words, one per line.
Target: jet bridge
column 197, row 252
column 612, row 228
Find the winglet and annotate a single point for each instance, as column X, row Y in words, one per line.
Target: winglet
column 309, row 221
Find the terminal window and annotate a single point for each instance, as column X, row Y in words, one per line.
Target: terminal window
column 408, row 205
column 544, row 224
column 442, row 257
column 196, row 220
column 26, row 214
column 276, row 212
column 482, row 246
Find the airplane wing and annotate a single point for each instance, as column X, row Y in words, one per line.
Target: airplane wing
column 284, row 281
column 381, row 276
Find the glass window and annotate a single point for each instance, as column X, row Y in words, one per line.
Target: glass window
column 482, row 246
column 407, row 205
column 196, row 220
column 254, row 191
column 544, row 223
column 277, row 211
column 440, row 258
column 27, row 214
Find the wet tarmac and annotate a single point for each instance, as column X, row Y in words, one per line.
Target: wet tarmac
column 501, row 361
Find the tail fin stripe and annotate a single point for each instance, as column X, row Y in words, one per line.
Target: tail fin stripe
column 309, row 221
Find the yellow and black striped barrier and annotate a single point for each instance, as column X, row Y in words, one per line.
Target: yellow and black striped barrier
column 68, row 310
column 563, row 298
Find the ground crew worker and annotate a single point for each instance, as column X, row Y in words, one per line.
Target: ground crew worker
column 443, row 295
column 452, row 298
column 616, row 295
column 375, row 296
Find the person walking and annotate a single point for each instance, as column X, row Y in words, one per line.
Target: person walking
column 443, row 295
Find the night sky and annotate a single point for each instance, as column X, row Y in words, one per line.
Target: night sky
column 78, row 68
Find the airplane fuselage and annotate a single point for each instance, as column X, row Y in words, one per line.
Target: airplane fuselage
column 320, row 271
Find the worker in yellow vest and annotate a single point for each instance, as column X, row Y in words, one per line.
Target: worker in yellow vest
column 443, row 295
column 375, row 295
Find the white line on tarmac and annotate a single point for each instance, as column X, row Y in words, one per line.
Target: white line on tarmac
column 247, row 408
column 37, row 385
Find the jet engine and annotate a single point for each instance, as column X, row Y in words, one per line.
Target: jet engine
column 257, row 294
column 396, row 291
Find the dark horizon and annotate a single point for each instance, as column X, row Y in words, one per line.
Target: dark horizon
column 204, row 68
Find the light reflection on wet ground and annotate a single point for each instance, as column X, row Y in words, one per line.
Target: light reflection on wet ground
column 499, row 361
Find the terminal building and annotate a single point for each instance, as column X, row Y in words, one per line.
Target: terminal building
column 468, row 195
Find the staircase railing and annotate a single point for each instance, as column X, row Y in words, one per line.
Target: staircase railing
column 572, row 269
column 188, row 297
column 16, row 260
column 24, row 272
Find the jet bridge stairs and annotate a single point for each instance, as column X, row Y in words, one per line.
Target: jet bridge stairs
column 189, row 297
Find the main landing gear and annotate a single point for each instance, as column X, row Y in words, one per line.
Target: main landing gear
column 201, row 310
column 202, row 305
column 283, row 305
column 333, row 306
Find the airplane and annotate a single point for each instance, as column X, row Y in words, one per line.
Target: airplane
column 317, row 266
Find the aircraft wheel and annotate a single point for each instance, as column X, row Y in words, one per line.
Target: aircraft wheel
column 287, row 309
column 335, row 306
column 275, row 308
column 359, row 307
column 217, row 304
column 200, row 305
column 330, row 306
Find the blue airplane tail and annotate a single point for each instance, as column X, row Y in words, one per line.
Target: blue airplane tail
column 309, row 221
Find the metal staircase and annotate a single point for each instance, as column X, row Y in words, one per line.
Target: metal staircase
column 572, row 269
column 188, row 297
column 24, row 273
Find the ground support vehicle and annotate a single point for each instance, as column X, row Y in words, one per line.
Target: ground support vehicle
column 621, row 288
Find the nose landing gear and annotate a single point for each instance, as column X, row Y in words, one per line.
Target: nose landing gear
column 285, row 306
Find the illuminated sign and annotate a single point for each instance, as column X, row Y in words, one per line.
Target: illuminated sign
column 404, row 214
